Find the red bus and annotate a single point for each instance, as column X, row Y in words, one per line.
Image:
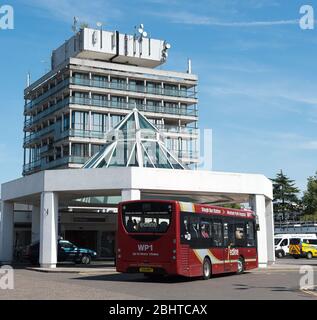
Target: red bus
column 179, row 238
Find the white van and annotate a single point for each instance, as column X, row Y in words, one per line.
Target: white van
column 281, row 242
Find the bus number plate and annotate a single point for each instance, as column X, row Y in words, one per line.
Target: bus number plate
column 146, row 269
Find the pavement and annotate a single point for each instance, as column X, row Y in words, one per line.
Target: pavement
column 99, row 267
column 95, row 267
column 278, row 282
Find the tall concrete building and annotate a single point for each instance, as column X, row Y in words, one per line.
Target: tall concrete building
column 106, row 107
column 97, row 77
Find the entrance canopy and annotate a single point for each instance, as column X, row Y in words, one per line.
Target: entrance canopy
column 50, row 190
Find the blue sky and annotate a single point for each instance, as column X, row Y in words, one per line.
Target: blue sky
column 257, row 72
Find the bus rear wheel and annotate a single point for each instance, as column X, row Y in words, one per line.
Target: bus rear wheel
column 206, row 269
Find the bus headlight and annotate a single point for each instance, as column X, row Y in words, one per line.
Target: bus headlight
column 174, row 258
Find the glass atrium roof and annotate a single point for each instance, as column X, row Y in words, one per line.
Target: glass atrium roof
column 134, row 142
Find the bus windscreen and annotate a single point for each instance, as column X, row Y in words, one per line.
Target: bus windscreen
column 146, row 217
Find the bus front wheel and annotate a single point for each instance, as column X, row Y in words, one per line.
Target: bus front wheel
column 206, row 269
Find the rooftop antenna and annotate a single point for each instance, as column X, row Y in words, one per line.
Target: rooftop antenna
column 189, row 69
column 28, row 79
column 74, row 26
column 166, row 47
column 142, row 34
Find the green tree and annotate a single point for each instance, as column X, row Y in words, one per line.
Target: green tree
column 285, row 197
column 310, row 196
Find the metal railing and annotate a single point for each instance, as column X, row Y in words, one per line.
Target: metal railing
column 63, row 161
column 81, row 134
column 31, row 166
column 46, row 112
column 134, row 88
column 176, row 129
column 39, row 133
column 131, row 106
column 28, row 106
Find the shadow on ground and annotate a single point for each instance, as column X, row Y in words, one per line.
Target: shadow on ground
column 126, row 277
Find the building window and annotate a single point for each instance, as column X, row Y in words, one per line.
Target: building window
column 99, row 81
column 153, row 87
column 118, row 83
column 66, row 122
column 80, row 120
column 99, row 100
column 98, row 122
column 135, row 102
column 117, row 101
column 80, row 150
column 114, row 119
column 95, row 148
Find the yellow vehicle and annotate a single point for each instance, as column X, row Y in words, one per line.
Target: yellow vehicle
column 303, row 248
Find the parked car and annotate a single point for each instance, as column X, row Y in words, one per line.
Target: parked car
column 66, row 251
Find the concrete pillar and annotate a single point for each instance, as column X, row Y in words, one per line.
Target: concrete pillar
column 130, row 194
column 48, row 230
column 36, row 218
column 6, row 232
column 270, row 230
column 259, row 207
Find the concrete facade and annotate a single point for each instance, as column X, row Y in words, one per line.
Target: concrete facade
column 93, row 86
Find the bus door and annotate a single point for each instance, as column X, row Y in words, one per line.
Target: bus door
column 217, row 246
column 228, row 247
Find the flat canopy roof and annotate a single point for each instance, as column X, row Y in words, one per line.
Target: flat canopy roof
column 185, row 185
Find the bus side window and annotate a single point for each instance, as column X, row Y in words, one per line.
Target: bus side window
column 194, row 228
column 239, row 233
column 185, row 226
column 217, row 234
column 250, row 234
column 205, row 229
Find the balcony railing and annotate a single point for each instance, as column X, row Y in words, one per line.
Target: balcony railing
column 176, row 129
column 46, row 112
column 62, row 161
column 46, row 94
column 130, row 106
column 134, row 88
column 32, row 166
column 186, row 154
column 39, row 133
column 81, row 134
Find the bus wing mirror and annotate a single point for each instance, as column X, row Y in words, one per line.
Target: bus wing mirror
column 257, row 223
